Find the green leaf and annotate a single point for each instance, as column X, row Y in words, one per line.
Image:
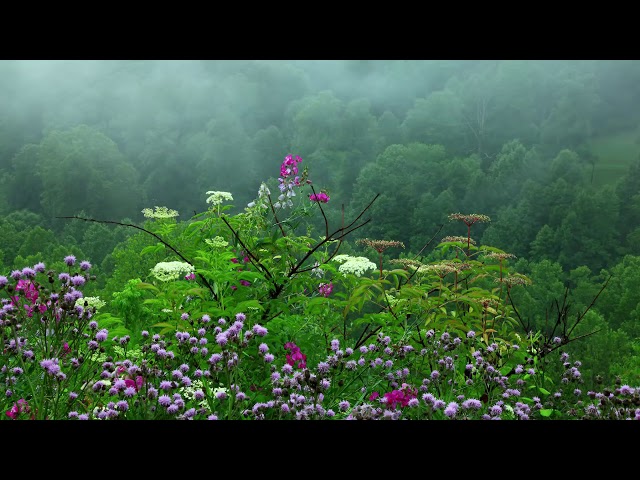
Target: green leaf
column 152, row 248
column 147, row 286
column 249, row 305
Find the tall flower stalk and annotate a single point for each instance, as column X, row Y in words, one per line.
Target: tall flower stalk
column 379, row 246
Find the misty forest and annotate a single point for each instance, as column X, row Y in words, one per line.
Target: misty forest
column 320, row 239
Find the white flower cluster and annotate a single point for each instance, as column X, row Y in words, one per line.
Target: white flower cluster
column 394, row 301
column 284, row 199
column 220, row 390
column 216, row 242
column 317, row 271
column 263, row 196
column 160, row 212
column 216, row 198
column 94, row 302
column 355, row 265
column 167, row 271
column 133, row 353
column 188, row 392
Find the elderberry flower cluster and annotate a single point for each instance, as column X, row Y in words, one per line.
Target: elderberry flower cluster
column 160, row 212
column 354, row 265
column 217, row 198
column 167, row 271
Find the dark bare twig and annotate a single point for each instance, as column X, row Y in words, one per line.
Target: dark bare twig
column 153, row 235
column 581, row 316
column 275, row 216
column 326, row 222
column 418, row 254
column 254, row 260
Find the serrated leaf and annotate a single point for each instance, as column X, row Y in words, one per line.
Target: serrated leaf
column 147, row 286
column 152, row 248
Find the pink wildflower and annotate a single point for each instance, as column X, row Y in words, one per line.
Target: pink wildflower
column 319, row 197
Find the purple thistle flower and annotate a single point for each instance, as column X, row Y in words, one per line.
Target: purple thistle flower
column 3, row 281
column 496, row 410
column 28, row 272
column 451, row 410
column 85, row 265
column 221, row 395
column 260, row 330
column 166, row 385
column 39, row 267
column 472, row 403
column 119, row 384
column 70, row 260
column 16, row 274
column 215, row 358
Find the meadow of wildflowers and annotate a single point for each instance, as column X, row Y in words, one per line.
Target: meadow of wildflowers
column 254, row 318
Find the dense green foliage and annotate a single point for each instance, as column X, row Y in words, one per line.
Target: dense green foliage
column 547, row 149
column 392, row 339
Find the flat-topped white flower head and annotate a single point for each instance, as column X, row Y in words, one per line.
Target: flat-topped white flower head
column 217, row 198
column 355, row 265
column 167, row 271
column 160, row 212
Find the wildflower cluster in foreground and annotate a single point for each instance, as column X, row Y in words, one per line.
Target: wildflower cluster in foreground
column 276, row 344
column 197, row 373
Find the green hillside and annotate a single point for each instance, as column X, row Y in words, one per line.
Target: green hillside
column 614, row 154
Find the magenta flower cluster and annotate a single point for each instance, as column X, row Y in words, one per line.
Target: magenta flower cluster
column 325, row 289
column 319, row 197
column 19, row 407
column 295, row 357
column 400, row 397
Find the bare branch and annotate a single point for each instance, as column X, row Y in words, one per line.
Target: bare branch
column 153, row 235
